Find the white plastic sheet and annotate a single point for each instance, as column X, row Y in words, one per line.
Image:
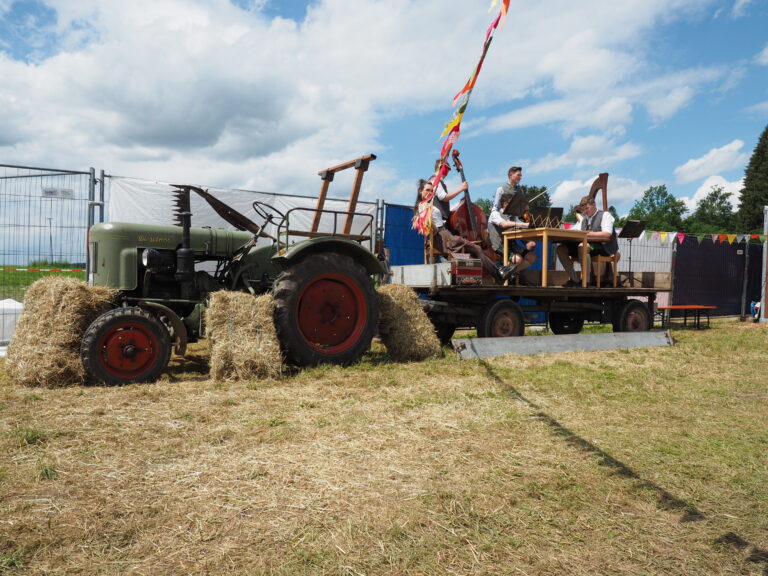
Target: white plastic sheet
column 134, row 200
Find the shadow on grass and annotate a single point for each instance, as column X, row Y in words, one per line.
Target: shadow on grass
column 666, row 500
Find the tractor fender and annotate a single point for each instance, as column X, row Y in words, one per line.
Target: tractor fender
column 295, row 252
column 179, row 330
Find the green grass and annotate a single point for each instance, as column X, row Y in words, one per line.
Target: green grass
column 644, row 461
column 14, row 282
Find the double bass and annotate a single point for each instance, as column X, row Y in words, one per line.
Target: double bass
column 468, row 220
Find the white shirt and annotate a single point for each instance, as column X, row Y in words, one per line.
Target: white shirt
column 437, row 217
column 605, row 226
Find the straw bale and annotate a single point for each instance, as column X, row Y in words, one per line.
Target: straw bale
column 242, row 336
column 404, row 327
column 45, row 348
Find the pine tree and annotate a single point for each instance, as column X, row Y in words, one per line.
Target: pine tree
column 754, row 195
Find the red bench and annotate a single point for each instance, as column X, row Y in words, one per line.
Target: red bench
column 696, row 309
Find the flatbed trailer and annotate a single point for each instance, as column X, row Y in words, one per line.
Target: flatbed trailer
column 502, row 311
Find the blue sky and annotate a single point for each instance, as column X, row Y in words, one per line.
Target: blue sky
column 262, row 94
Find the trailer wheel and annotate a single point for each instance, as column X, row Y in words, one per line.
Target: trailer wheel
column 502, row 318
column 633, row 316
column 125, row 345
column 444, row 331
column 326, row 311
column 566, row 322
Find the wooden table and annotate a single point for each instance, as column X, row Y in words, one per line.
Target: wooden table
column 546, row 235
column 696, row 309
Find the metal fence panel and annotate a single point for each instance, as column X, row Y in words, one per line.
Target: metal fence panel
column 43, row 229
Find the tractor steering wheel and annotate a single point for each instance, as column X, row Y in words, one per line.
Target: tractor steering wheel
column 268, row 213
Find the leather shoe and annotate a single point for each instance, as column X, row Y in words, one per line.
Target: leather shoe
column 571, row 284
column 505, row 274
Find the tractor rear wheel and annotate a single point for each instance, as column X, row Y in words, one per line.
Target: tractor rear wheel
column 326, row 311
column 125, row 345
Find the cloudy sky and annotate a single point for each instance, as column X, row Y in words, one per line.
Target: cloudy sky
column 262, row 94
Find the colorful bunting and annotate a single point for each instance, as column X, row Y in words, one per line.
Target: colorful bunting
column 680, row 237
column 663, row 237
column 700, row 238
column 461, row 101
column 731, row 238
column 714, row 238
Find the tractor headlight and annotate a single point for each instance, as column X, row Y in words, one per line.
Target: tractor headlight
column 151, row 259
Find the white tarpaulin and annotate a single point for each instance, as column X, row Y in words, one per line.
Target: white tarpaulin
column 10, row 310
column 134, row 200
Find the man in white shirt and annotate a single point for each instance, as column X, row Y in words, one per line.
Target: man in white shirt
column 520, row 256
column 514, row 175
column 601, row 236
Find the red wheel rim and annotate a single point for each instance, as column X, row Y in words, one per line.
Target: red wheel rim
column 127, row 350
column 332, row 313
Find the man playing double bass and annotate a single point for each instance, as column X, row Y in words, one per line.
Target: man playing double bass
column 445, row 242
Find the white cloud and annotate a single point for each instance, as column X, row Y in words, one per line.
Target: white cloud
column 588, row 151
column 728, row 157
column 203, row 91
column 760, row 109
column 665, row 107
column 762, row 58
column 740, row 8
column 712, row 182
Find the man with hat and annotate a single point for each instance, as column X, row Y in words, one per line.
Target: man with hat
column 601, row 236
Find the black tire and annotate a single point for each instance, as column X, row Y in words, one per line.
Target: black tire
column 444, row 331
column 326, row 310
column 125, row 345
column 566, row 322
column 502, row 318
column 632, row 316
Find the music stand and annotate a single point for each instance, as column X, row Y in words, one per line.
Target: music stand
column 632, row 229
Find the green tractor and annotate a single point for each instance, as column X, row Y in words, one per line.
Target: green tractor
column 326, row 309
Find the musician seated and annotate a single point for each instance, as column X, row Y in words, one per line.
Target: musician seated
column 601, row 232
column 445, row 241
column 521, row 256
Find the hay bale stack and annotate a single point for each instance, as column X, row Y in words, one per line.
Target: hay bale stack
column 404, row 327
column 45, row 348
column 242, row 336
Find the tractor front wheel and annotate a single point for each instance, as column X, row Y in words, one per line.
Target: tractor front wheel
column 125, row 345
column 326, row 311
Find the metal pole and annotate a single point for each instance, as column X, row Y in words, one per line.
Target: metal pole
column 50, row 241
column 745, row 280
column 765, row 265
column 91, row 197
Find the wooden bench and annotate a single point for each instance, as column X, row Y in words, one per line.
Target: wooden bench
column 696, row 309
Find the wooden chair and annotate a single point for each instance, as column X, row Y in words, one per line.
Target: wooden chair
column 613, row 260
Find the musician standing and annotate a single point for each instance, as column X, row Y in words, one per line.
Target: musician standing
column 600, row 229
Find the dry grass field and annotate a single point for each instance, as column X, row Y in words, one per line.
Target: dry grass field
column 649, row 461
